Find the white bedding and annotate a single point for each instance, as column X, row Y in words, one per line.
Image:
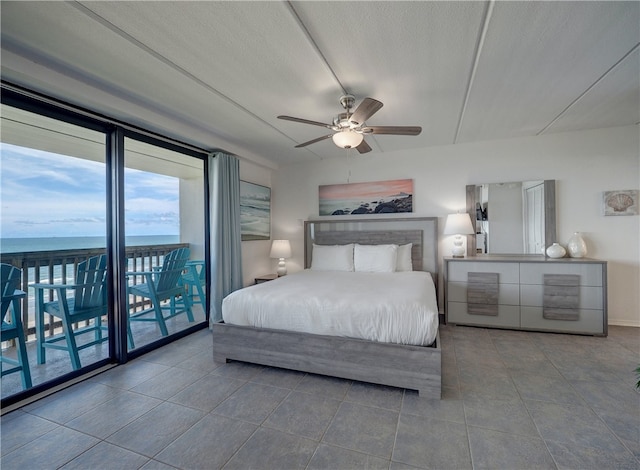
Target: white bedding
column 395, row 307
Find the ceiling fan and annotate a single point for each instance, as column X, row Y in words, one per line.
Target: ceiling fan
column 350, row 128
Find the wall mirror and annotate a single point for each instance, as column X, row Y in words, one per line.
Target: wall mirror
column 517, row 217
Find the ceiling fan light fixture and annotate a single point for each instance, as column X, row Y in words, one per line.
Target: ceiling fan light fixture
column 350, row 128
column 347, row 139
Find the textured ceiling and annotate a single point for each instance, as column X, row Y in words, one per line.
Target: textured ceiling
column 216, row 74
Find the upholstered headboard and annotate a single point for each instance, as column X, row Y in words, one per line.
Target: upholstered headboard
column 422, row 232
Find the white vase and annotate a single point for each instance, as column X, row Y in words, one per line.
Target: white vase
column 556, row 251
column 576, row 246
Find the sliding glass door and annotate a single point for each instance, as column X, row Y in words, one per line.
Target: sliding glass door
column 53, row 231
column 164, row 228
column 102, row 243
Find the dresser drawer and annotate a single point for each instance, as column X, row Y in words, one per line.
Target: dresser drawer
column 508, row 316
column 590, row 321
column 532, row 295
column 528, row 293
column 508, row 294
column 508, row 273
column 533, row 273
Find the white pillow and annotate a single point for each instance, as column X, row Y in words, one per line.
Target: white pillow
column 332, row 257
column 404, row 262
column 375, row 258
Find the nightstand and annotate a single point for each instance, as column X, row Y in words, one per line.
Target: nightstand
column 265, row 278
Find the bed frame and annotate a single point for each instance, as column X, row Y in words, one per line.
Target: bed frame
column 412, row 367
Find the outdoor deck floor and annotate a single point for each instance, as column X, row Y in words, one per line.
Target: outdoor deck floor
column 58, row 362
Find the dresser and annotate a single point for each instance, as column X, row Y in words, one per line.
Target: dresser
column 534, row 293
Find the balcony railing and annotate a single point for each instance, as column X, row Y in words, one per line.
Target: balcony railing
column 59, row 266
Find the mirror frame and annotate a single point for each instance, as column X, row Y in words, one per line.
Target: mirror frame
column 549, row 218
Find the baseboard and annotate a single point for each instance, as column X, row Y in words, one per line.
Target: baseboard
column 623, row 323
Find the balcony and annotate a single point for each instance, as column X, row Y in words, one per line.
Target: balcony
column 59, row 267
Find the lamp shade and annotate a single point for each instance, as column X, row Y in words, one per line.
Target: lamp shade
column 347, row 139
column 280, row 249
column 458, row 224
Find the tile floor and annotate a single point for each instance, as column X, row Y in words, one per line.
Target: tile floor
column 510, row 400
column 58, row 362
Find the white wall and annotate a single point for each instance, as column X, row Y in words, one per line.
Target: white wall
column 191, row 210
column 584, row 164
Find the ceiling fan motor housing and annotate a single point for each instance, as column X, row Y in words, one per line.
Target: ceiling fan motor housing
column 347, row 101
column 341, row 121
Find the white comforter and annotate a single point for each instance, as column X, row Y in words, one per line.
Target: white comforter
column 386, row 307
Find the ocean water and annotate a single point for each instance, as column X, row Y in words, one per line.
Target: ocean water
column 255, row 220
column 329, row 206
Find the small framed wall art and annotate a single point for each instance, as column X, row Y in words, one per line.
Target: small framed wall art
column 255, row 211
column 621, row 202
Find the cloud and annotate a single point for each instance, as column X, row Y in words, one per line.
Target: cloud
column 153, row 220
column 46, row 194
column 76, row 220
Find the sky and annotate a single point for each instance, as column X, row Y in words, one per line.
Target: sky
column 44, row 194
column 376, row 189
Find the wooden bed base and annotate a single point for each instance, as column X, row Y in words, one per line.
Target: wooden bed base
column 413, row 367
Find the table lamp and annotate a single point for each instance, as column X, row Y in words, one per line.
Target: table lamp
column 458, row 225
column 281, row 249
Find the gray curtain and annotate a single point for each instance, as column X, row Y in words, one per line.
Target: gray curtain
column 226, row 253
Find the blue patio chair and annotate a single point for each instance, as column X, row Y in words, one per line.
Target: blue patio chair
column 161, row 285
column 86, row 300
column 194, row 280
column 10, row 278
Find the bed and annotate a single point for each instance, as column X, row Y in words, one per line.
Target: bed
column 404, row 353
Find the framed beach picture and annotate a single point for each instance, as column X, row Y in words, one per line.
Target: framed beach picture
column 622, row 202
column 255, row 211
column 378, row 197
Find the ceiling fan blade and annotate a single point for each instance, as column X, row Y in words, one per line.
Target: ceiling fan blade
column 306, row 121
column 363, row 147
column 367, row 108
column 304, row 144
column 395, row 130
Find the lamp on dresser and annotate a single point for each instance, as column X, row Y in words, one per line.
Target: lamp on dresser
column 458, row 225
column 281, row 249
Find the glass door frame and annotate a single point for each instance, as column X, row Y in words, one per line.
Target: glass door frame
column 115, row 133
column 118, row 246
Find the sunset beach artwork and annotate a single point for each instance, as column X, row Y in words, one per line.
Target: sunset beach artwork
column 379, row 197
